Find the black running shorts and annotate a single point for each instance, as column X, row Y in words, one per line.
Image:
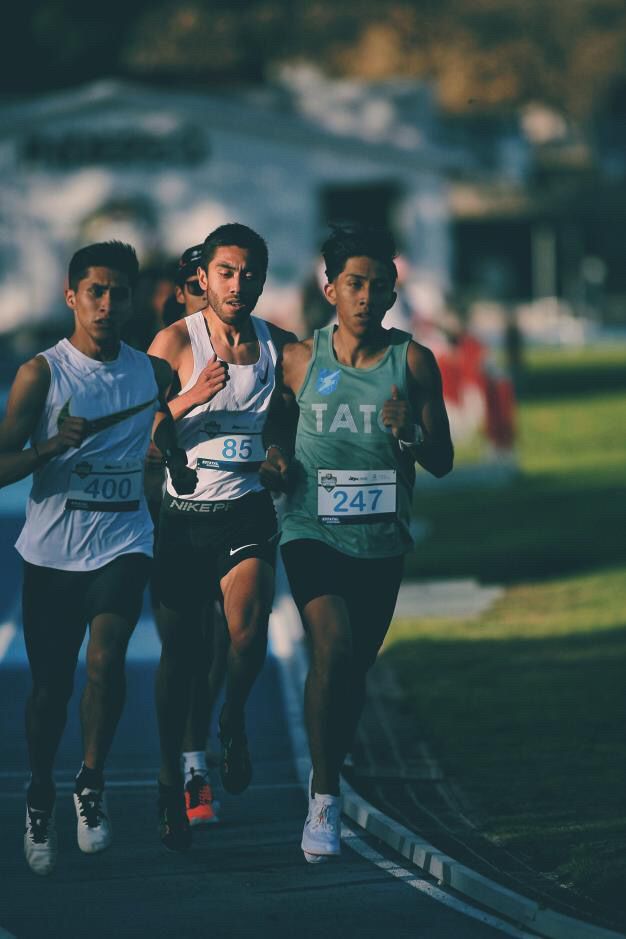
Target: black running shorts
column 198, row 546
column 369, row 586
column 57, row 606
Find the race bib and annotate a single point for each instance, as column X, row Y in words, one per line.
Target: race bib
column 241, row 453
column 356, row 497
column 102, row 485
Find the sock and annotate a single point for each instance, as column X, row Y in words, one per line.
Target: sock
column 89, row 779
column 41, row 796
column 196, row 760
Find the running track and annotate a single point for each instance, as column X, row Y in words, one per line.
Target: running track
column 245, row 877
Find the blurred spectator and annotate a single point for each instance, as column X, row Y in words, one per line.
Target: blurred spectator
column 155, row 286
column 514, row 350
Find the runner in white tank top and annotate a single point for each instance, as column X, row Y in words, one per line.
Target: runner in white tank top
column 221, row 539
column 87, row 405
column 222, row 436
column 210, row 650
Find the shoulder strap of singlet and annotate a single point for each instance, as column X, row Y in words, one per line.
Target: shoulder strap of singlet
column 264, row 335
column 317, row 343
column 201, row 346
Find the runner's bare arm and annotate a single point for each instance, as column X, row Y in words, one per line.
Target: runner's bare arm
column 184, row 479
column 434, row 451
column 279, row 432
column 26, row 402
column 169, row 344
column 281, row 337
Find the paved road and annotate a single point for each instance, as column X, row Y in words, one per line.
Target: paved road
column 245, row 877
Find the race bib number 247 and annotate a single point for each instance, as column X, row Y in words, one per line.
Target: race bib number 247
column 356, row 497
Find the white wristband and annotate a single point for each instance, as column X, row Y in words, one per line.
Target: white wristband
column 408, row 444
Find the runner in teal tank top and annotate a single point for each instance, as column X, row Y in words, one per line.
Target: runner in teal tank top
column 350, row 489
column 354, row 408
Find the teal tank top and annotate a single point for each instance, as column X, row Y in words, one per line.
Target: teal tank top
column 352, row 488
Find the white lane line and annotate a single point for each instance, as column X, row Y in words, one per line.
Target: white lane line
column 7, row 635
column 350, row 838
column 147, row 782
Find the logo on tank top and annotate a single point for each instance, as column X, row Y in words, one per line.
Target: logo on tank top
column 108, row 420
column 211, row 428
column 83, row 469
column 327, row 380
column 328, row 481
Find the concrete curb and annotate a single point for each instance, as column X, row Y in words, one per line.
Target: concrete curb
column 288, row 646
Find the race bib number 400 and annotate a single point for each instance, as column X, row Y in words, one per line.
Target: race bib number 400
column 242, row 453
column 356, row 497
column 105, row 485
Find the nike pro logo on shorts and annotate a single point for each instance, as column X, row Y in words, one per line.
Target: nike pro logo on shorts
column 236, row 550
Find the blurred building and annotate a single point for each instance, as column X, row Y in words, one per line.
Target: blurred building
column 160, row 169
column 538, row 218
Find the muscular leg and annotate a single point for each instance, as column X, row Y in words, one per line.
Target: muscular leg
column 173, row 685
column 209, row 672
column 344, row 639
column 219, row 662
column 328, row 688
column 248, row 591
column 104, row 694
column 46, row 707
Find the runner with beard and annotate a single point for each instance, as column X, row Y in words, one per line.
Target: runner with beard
column 222, row 539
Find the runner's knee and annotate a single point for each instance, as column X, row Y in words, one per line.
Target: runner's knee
column 332, row 653
column 106, row 663
column 249, row 631
column 52, row 694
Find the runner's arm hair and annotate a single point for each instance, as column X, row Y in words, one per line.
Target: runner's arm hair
column 25, row 406
column 435, row 453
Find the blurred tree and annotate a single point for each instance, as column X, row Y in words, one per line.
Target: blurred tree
column 483, row 54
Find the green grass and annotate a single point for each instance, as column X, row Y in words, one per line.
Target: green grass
column 565, row 511
column 525, row 706
column 558, row 372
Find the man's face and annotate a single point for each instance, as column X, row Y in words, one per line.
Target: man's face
column 191, row 294
column 362, row 294
column 233, row 282
column 102, row 302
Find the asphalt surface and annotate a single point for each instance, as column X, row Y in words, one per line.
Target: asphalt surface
column 243, row 877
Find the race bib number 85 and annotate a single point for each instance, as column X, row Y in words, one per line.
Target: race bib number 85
column 240, row 452
column 356, row 497
column 102, row 485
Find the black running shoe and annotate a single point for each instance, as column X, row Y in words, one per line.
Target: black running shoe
column 174, row 830
column 235, row 765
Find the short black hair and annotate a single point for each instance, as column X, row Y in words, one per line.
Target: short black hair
column 352, row 240
column 239, row 235
column 113, row 254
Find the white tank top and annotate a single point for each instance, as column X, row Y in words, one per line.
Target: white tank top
column 86, row 506
column 223, row 437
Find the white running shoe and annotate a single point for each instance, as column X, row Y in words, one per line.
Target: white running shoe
column 40, row 841
column 321, row 837
column 93, row 828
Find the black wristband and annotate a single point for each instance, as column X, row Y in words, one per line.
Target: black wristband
column 275, row 446
column 170, row 452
